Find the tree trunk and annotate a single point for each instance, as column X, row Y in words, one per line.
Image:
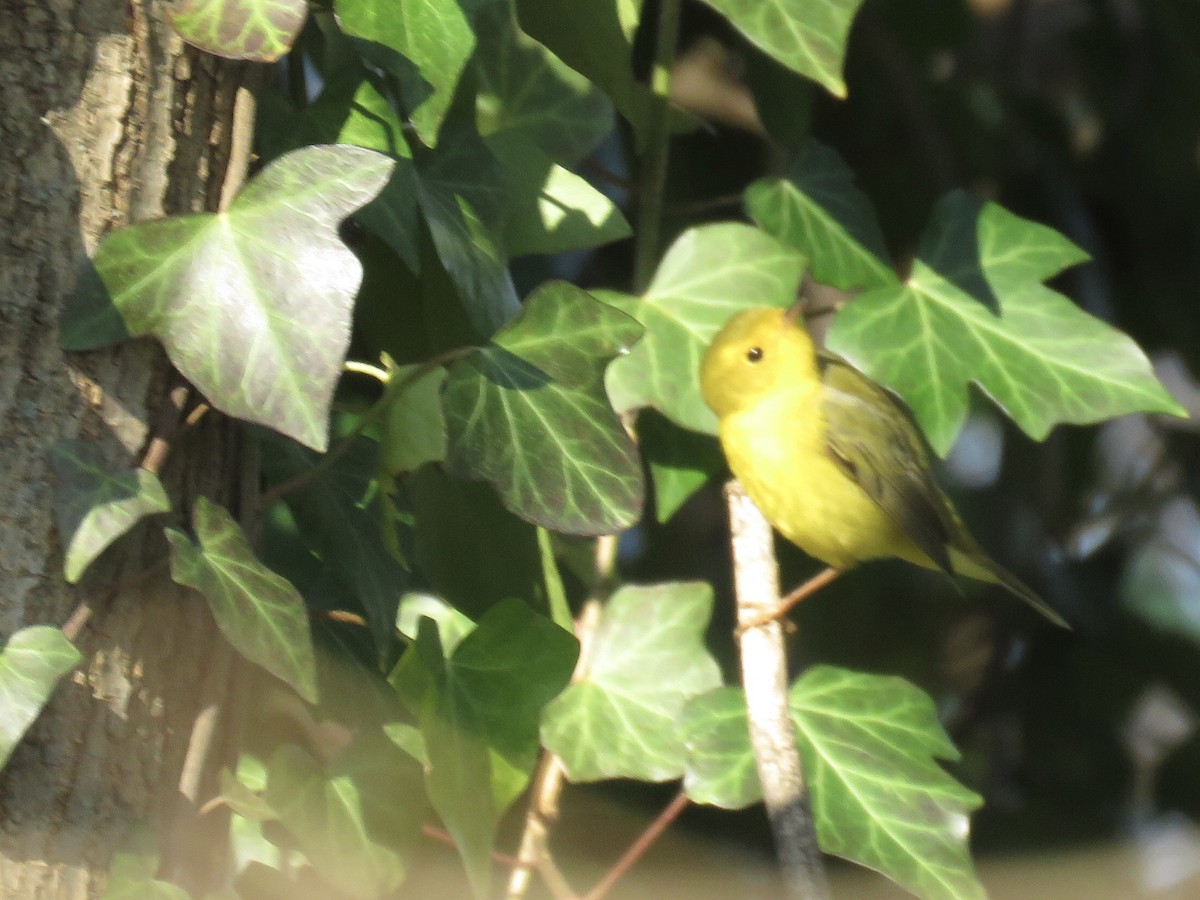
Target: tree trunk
column 106, row 119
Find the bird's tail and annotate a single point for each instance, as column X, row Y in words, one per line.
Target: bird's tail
column 982, row 567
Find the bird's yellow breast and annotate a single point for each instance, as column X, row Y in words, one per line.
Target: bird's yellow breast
column 777, row 449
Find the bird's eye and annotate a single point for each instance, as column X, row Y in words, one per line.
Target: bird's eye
column 754, row 354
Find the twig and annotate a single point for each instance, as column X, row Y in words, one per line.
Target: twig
column 437, row 834
column 669, row 814
column 548, row 782
column 658, row 139
column 764, row 677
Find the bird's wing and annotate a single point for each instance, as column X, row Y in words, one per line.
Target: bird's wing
column 871, row 438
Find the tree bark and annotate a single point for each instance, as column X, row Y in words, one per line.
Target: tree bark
column 107, row 119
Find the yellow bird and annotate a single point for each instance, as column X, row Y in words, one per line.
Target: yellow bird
column 832, row 459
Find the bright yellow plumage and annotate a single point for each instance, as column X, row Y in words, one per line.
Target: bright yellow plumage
column 830, row 458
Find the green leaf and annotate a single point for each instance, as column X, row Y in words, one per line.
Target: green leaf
column 452, row 625
column 480, row 720
column 551, row 210
column 325, row 815
column 647, row 661
column 253, row 305
column 809, row 38
column 681, row 461
column 596, row 40
column 528, row 414
column 31, row 663
column 257, row 30
column 94, row 508
column 338, row 518
column 261, row 613
column 456, row 521
column 245, row 799
column 870, row 746
column 974, row 309
column 526, row 90
column 707, row 275
column 462, row 196
column 433, row 36
column 816, row 208
column 720, row 769
column 414, row 431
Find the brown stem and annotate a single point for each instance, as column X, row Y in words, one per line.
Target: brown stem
column 764, row 677
column 803, row 592
column 669, row 814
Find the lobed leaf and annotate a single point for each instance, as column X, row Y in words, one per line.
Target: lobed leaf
column 256, row 30
column 94, row 508
column 253, row 305
column 647, row 660
column 809, row 38
column 260, row 612
column 975, row 309
column 707, row 275
column 31, row 664
column 816, row 208
column 528, row 414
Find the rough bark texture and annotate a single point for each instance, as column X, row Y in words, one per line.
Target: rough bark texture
column 105, row 118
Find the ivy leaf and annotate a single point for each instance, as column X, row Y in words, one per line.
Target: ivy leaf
column 870, row 746
column 414, row 430
column 707, row 275
column 720, row 769
column 809, row 38
column 260, row 613
column 94, row 508
column 253, row 304
column 596, row 40
column 462, row 196
column 974, row 309
column 681, row 461
column 338, row 517
column 31, row 663
column 816, row 208
column 648, row 659
column 434, row 37
column 257, row 30
column 480, row 722
column 551, row 209
column 528, row 414
column 131, row 877
column 526, row 90
column 326, row 817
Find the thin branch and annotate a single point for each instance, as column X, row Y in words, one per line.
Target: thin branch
column 670, row 813
column 658, row 139
column 764, row 677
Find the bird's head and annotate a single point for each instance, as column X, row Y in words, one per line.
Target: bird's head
column 758, row 351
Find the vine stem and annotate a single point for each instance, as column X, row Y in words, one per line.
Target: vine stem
column 657, row 148
column 764, row 677
column 670, row 813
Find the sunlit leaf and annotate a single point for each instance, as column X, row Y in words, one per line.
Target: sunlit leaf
column 93, row 507
column 528, row 413
column 707, row 275
column 31, row 663
column 720, row 769
column 253, row 304
column 257, row 30
column 647, row 660
column 261, row 613
column 551, row 209
column 434, row 40
column 975, row 309
column 809, row 38
column 816, row 208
